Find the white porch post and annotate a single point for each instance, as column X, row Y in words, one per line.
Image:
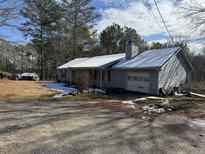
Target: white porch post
column 101, row 78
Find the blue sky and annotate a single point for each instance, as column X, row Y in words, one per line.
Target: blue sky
column 143, row 17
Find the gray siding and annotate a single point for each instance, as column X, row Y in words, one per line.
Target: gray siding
column 118, row 79
column 175, row 73
column 153, row 88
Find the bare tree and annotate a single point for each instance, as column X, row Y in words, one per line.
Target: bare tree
column 195, row 11
column 8, row 11
column 81, row 79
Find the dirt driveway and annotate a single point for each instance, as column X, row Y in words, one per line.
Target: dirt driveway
column 77, row 127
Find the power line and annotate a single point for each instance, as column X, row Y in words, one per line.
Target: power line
column 163, row 21
column 152, row 14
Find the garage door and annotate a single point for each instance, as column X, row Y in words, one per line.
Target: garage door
column 138, row 82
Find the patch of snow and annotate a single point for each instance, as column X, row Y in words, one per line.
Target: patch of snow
column 128, row 102
column 153, row 97
column 198, row 123
column 99, row 90
column 60, row 87
column 140, row 99
column 178, row 94
column 59, row 95
column 150, row 97
column 131, row 106
column 199, row 95
column 96, row 90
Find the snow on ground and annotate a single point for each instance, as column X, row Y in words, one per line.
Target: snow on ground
column 60, row 87
column 149, row 97
column 199, row 95
column 198, row 123
column 129, row 103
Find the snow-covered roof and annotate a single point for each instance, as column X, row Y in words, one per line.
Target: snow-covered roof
column 72, row 62
column 148, row 59
column 99, row 61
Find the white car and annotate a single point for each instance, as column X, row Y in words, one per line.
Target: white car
column 30, row 76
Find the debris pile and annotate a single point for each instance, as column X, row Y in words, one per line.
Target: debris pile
column 157, row 108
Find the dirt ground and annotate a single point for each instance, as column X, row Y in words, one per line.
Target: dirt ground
column 32, row 126
column 22, row 90
column 35, row 127
column 198, row 88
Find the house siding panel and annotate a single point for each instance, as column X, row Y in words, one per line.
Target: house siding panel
column 118, row 79
column 153, row 88
column 175, row 73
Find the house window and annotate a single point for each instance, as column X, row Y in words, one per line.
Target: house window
column 63, row 73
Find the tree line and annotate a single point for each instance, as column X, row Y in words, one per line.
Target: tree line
column 62, row 31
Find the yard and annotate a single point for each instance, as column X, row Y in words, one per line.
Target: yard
column 22, row 90
column 96, row 126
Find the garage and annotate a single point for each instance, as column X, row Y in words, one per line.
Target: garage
column 138, row 82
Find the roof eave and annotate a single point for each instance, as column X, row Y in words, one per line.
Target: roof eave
column 188, row 60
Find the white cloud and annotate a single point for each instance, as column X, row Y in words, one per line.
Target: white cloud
column 161, row 41
column 196, row 47
column 137, row 16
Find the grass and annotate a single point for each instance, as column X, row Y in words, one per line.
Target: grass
column 12, row 90
column 88, row 97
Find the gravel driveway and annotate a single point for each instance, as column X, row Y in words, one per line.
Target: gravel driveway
column 75, row 127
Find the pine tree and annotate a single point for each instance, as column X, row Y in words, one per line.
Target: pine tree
column 114, row 38
column 80, row 18
column 41, row 24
